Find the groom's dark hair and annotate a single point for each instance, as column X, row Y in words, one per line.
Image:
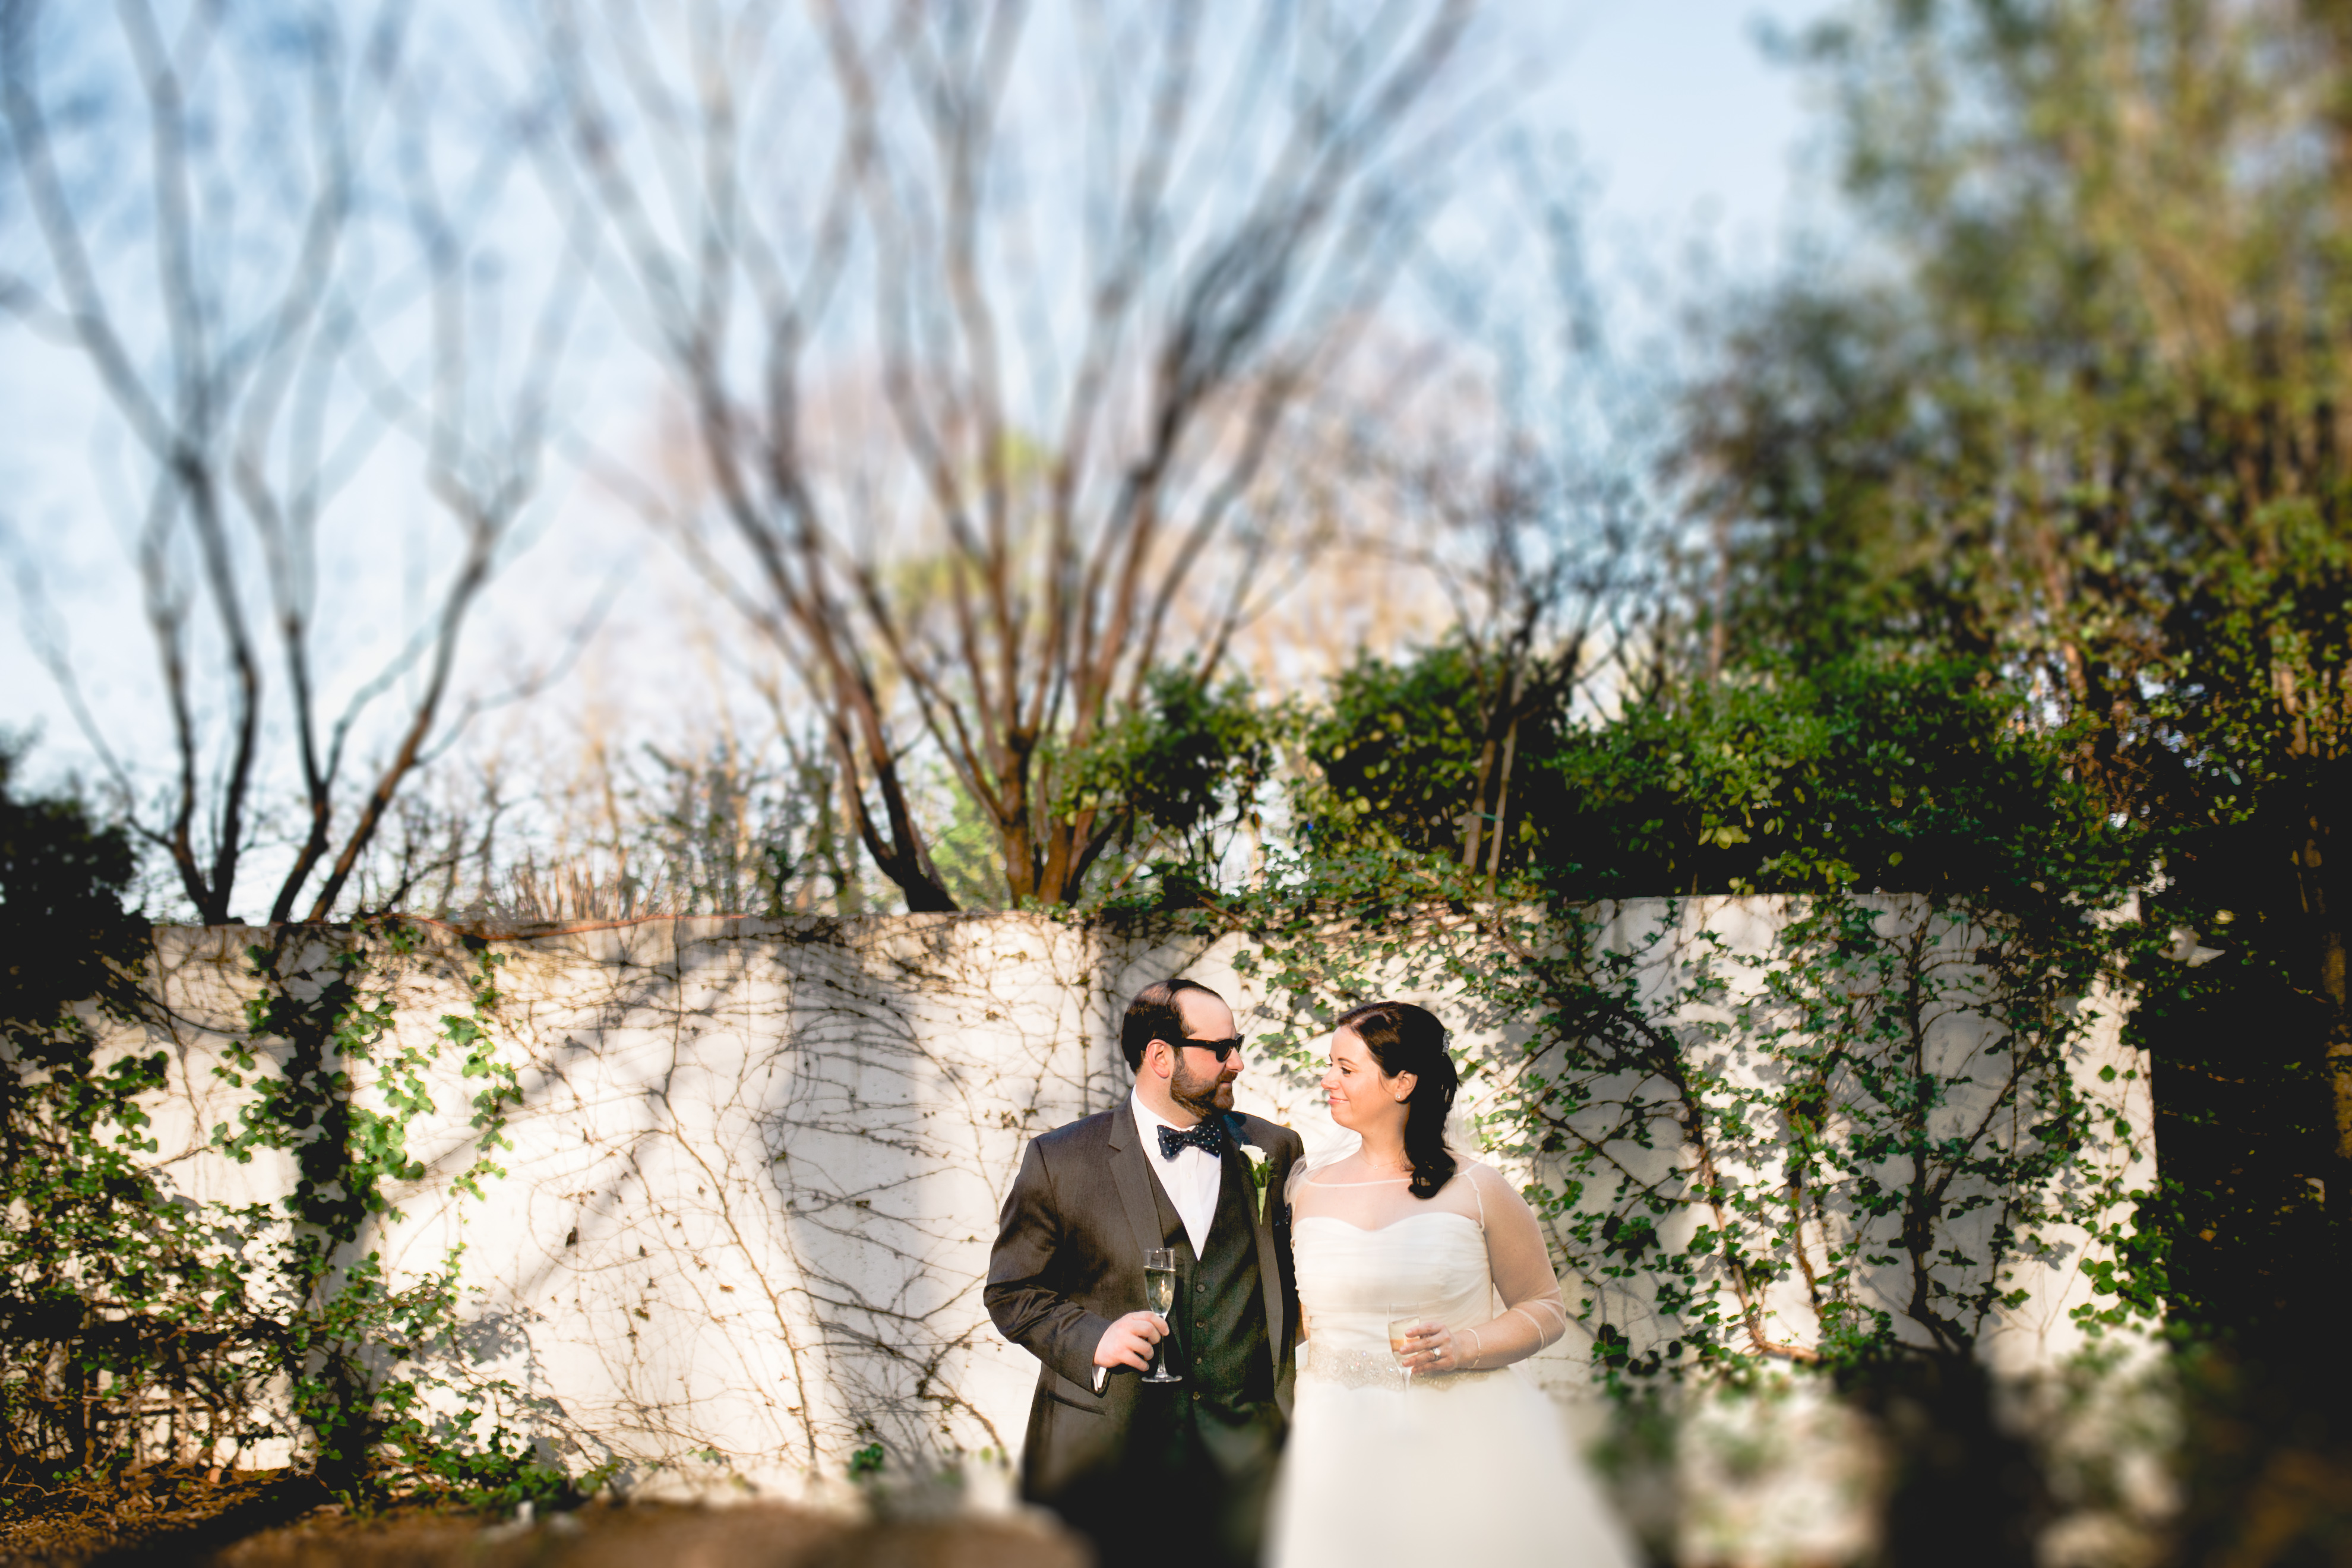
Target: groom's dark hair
column 1155, row 1015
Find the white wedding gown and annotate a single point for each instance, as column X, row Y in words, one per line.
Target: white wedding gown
column 1470, row 1469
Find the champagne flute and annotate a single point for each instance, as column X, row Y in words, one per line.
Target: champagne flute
column 1160, row 1295
column 1403, row 1321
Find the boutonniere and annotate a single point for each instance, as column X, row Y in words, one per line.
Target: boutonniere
column 1261, row 1170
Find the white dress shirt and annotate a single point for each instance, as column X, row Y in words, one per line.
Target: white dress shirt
column 1192, row 1178
column 1190, row 1181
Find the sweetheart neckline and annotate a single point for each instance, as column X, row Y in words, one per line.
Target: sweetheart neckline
column 1377, row 1229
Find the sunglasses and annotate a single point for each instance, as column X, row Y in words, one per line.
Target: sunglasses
column 1223, row 1049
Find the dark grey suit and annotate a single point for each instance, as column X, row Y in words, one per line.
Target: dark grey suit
column 1165, row 1472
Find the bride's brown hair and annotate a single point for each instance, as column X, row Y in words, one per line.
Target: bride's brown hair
column 1406, row 1038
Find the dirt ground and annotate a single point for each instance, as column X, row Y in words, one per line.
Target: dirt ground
column 192, row 1508
column 274, row 1520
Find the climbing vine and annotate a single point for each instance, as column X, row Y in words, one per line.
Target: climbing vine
column 1843, row 1135
column 357, row 1344
column 195, row 1330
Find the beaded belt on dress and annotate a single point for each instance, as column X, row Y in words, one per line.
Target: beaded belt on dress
column 1376, row 1369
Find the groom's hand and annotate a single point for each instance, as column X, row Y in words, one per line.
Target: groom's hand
column 1128, row 1341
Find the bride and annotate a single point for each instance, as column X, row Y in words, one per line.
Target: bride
column 1442, row 1453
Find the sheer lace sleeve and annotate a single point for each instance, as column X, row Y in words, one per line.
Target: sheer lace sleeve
column 1294, row 1193
column 1533, row 1313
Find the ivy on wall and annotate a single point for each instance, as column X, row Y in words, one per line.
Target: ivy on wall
column 351, row 1343
column 1838, row 1141
column 1856, row 1139
column 142, row 1323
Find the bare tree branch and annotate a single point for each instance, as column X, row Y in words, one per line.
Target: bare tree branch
column 242, row 362
column 1223, row 260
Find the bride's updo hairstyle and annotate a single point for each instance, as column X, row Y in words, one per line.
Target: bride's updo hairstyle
column 1404, row 1039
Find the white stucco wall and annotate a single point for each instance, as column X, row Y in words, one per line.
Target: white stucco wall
column 747, row 1217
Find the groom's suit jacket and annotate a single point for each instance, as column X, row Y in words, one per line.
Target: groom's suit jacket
column 1069, row 1258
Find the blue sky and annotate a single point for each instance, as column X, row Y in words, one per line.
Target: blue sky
column 1679, row 113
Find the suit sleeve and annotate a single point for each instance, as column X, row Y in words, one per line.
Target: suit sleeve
column 1023, row 1294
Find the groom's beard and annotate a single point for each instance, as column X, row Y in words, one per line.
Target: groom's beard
column 1203, row 1097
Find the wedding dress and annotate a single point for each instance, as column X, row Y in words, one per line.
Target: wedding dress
column 1467, row 1468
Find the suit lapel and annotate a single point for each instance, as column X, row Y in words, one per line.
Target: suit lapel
column 1133, row 1179
column 1269, row 1263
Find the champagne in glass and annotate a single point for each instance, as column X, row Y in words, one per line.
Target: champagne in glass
column 1160, row 1295
column 1403, row 1321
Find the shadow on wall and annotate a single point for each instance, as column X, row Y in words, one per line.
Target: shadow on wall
column 749, row 1213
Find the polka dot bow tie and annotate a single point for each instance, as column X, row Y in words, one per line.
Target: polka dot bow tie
column 1209, row 1137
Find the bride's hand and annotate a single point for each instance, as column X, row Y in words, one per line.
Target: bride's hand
column 1433, row 1349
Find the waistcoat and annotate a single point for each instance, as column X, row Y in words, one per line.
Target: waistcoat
column 1220, row 1316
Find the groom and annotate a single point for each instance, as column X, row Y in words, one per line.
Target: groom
column 1156, row 1472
